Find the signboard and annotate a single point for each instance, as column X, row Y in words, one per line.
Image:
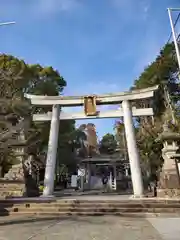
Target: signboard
column 74, row 181
column 81, row 172
column 90, row 106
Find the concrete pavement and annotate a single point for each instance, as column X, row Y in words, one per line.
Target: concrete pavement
column 88, row 228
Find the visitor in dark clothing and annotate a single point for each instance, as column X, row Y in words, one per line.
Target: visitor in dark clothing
column 153, row 184
column 65, row 182
column 105, row 182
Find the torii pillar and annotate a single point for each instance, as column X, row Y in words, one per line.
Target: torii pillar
column 52, row 152
column 134, row 158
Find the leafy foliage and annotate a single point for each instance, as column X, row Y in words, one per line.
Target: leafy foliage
column 108, row 144
column 16, row 79
column 163, row 72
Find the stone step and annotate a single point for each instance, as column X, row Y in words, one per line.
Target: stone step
column 67, row 214
column 89, row 209
column 69, row 201
column 93, row 209
column 88, row 213
column 69, row 207
column 90, row 205
column 10, row 188
column 91, row 200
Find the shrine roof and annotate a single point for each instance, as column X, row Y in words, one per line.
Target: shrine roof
column 103, row 159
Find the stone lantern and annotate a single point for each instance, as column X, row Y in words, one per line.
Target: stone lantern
column 169, row 181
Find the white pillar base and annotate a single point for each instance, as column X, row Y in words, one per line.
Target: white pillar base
column 48, row 196
column 136, row 197
column 110, row 181
column 89, row 177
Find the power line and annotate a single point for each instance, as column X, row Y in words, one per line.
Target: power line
column 178, row 38
column 174, row 36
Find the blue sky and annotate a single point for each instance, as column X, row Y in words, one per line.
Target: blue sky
column 98, row 46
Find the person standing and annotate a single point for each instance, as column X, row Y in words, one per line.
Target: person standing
column 105, row 182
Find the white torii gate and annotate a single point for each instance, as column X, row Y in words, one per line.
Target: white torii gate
column 126, row 111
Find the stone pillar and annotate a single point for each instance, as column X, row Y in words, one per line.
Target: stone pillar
column 169, row 181
column 126, row 172
column 110, row 180
column 134, row 160
column 82, row 183
column 178, row 164
column 89, row 176
column 52, row 152
column 115, row 177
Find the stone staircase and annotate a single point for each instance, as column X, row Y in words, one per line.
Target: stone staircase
column 72, row 207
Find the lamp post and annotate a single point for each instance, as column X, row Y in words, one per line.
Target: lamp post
column 174, row 34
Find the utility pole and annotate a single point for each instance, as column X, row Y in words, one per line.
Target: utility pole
column 175, row 38
column 6, row 23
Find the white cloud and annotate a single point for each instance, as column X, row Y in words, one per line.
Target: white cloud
column 149, row 53
column 121, row 3
column 54, row 6
column 36, row 9
column 138, row 15
column 99, row 87
column 94, row 86
column 131, row 8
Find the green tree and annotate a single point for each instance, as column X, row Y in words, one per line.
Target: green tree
column 163, row 72
column 108, row 144
column 66, row 150
column 121, row 139
column 16, row 79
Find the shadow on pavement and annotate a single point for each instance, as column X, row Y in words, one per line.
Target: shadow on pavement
column 83, row 219
column 29, row 220
column 80, row 218
column 32, row 219
column 3, row 209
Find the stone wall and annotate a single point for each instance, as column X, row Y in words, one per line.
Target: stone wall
column 11, row 188
column 15, row 173
column 168, row 193
column 18, row 183
column 13, row 185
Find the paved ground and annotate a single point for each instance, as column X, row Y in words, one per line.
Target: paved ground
column 89, row 228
